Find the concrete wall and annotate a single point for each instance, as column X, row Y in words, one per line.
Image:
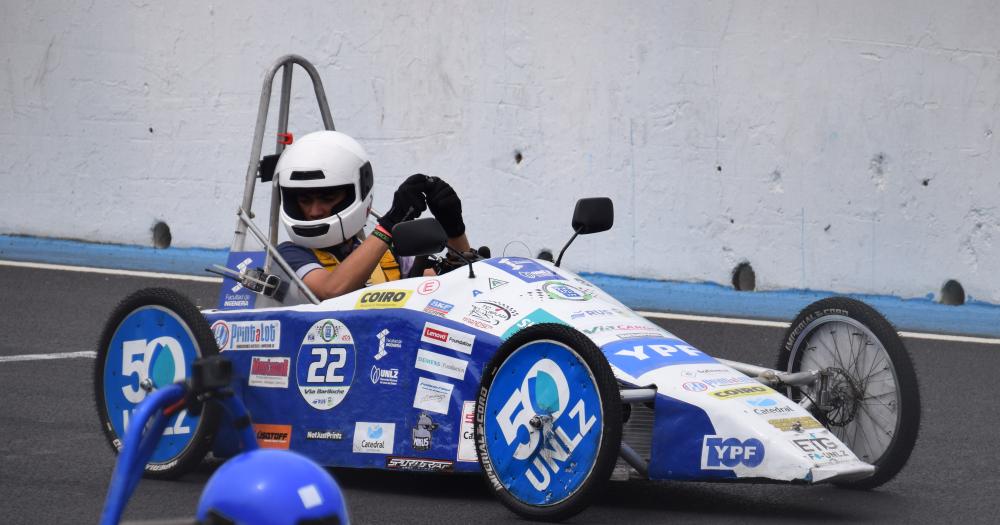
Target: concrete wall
column 846, row 146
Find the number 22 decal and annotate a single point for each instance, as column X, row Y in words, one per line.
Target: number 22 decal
column 325, row 369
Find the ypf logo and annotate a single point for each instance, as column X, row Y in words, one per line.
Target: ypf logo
column 719, row 453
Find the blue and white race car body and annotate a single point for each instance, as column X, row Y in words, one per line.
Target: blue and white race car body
column 387, row 377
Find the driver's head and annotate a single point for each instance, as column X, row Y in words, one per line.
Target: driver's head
column 326, row 181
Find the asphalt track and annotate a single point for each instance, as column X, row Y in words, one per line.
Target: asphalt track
column 55, row 464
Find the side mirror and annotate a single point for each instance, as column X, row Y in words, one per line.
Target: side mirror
column 593, row 215
column 419, row 237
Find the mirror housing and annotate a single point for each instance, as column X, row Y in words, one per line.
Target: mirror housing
column 593, row 215
column 419, row 237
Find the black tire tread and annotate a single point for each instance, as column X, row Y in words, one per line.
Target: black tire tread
column 896, row 456
column 186, row 310
column 607, row 385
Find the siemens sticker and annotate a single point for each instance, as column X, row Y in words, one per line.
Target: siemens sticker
column 247, row 335
column 638, row 356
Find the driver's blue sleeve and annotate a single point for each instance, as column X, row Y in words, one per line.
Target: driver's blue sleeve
column 302, row 260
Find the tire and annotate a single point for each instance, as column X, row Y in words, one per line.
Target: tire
column 164, row 327
column 881, row 431
column 550, row 469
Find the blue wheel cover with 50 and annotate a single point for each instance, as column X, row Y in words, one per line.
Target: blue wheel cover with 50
column 151, row 342
column 546, row 465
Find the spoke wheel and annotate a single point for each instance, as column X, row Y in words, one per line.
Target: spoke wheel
column 868, row 395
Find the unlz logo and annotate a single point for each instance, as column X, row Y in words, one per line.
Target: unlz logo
column 544, row 392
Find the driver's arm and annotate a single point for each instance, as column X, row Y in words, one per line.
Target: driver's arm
column 351, row 274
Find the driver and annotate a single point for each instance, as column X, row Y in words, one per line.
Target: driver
column 326, row 193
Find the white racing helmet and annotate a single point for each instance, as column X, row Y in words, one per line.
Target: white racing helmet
column 325, row 160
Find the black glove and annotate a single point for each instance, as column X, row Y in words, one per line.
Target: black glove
column 407, row 203
column 446, row 206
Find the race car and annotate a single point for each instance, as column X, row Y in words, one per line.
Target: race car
column 511, row 366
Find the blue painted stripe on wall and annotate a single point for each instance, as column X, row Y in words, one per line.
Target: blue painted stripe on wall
column 192, row 261
column 974, row 318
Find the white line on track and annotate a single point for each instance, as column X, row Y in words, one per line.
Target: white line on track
column 781, row 324
column 110, row 271
column 43, row 357
column 656, row 315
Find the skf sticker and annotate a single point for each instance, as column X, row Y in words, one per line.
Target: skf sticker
column 383, row 299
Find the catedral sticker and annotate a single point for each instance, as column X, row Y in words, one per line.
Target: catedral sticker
column 383, row 299
column 542, row 466
column 273, row 436
column 374, row 438
column 450, row 338
column 269, row 372
column 247, row 335
column 325, row 364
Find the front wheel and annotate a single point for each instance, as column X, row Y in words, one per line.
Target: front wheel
column 548, row 422
column 868, row 395
column 150, row 341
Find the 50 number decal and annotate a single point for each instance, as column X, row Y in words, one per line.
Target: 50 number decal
column 325, row 365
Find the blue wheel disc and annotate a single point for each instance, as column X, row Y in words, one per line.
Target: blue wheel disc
column 543, row 423
column 151, row 342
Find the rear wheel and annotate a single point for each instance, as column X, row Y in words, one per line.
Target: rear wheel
column 150, row 341
column 868, row 396
column 548, row 422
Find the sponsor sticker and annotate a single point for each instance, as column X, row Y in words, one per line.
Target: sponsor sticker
column 467, row 440
column 385, row 343
column 721, row 453
column 419, row 464
column 428, row 287
column 436, row 363
column 741, row 391
column 489, row 314
column 433, row 396
column 232, row 295
column 325, row 435
column 603, row 312
column 638, row 356
column 438, row 308
column 383, row 299
column 795, row 424
column 450, row 338
column 820, row 448
column 247, row 335
column 526, row 270
column 269, row 372
column 273, row 436
column 539, row 316
column 565, row 291
column 694, row 386
column 373, row 438
column 325, row 366
column 766, row 406
column 496, row 283
column 421, row 432
column 384, row 376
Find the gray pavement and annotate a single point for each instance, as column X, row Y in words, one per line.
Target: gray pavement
column 55, row 464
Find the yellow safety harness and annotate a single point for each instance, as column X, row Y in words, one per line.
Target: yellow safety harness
column 387, row 269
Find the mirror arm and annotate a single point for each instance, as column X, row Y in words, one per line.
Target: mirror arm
column 561, row 252
column 464, row 258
